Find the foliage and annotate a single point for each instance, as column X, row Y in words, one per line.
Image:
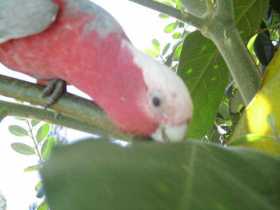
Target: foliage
column 41, row 145
column 184, row 176
column 262, row 116
column 191, row 175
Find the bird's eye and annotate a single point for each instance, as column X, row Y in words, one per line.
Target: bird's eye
column 156, row 101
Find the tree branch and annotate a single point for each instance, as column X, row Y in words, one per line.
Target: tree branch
column 70, row 111
column 171, row 11
column 221, row 29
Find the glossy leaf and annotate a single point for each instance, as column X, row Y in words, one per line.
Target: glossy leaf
column 18, row 130
column 23, row 149
column 186, row 176
column 34, row 122
column 43, row 132
column 267, row 144
column 249, row 14
column 170, row 27
column 206, row 75
column 176, row 35
column 32, row 168
column 156, row 44
column 43, row 206
column 48, row 147
column 262, row 116
column 163, row 16
column 204, row 70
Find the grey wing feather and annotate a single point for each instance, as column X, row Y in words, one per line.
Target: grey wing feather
column 21, row 18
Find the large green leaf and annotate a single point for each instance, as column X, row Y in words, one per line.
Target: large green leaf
column 204, row 70
column 248, row 16
column 206, row 75
column 186, row 176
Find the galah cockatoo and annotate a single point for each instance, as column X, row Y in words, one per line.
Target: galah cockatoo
column 80, row 43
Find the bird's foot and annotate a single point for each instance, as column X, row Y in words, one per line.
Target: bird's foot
column 53, row 91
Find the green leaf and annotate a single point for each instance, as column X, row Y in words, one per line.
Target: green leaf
column 170, row 27
column 185, row 176
column 3, row 113
column 206, row 75
column 176, row 35
column 23, row 149
column 43, row 132
column 48, row 147
column 43, row 206
column 34, row 122
column 18, row 130
column 267, row 144
column 168, row 2
column 20, row 119
column 178, row 52
column 204, row 70
column 163, row 16
column 152, row 52
column 32, row 168
column 248, row 16
column 156, row 44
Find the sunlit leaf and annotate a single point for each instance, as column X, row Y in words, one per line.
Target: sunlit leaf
column 206, row 75
column 156, row 44
column 248, row 16
column 152, row 52
column 163, row 16
column 23, row 149
column 32, row 168
column 170, row 27
column 43, row 206
column 178, row 51
column 204, row 70
column 18, row 130
column 48, row 147
column 34, row 122
column 177, row 35
column 267, row 144
column 262, row 116
column 43, row 132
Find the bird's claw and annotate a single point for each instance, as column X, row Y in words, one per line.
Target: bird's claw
column 53, row 91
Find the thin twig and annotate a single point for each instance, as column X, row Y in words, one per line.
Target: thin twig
column 30, row 129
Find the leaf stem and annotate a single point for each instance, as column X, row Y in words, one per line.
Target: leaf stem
column 220, row 28
column 30, row 129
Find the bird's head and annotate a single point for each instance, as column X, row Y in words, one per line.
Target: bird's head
column 166, row 100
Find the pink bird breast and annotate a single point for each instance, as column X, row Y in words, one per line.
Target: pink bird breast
column 87, row 48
